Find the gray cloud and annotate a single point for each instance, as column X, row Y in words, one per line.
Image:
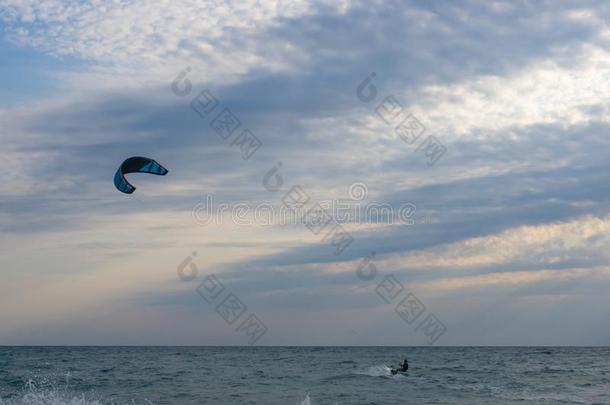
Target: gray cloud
column 525, row 175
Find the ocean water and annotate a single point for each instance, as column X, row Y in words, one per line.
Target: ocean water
column 303, row 375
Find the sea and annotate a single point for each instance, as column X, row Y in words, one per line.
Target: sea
column 303, row 375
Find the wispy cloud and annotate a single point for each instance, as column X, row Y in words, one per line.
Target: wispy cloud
column 518, row 206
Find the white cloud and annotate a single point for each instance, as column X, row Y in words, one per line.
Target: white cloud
column 543, row 92
column 541, row 244
column 147, row 41
column 130, row 41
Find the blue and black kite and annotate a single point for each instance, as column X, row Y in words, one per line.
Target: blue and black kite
column 136, row 164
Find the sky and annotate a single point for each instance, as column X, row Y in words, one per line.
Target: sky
column 445, row 167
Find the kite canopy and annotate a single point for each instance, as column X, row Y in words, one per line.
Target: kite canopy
column 136, row 164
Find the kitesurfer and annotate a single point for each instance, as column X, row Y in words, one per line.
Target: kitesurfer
column 402, row 368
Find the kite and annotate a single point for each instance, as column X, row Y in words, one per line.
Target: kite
column 136, row 164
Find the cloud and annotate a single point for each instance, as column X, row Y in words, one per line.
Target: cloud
column 141, row 38
column 519, row 201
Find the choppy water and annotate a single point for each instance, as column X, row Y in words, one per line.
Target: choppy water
column 302, row 375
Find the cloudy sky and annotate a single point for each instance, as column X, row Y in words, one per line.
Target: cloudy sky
column 487, row 119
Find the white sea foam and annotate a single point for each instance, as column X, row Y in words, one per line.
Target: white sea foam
column 49, row 398
column 379, row 371
column 306, row 401
column 39, row 396
column 44, row 391
column 57, row 398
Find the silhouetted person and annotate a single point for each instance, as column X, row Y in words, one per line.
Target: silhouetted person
column 402, row 368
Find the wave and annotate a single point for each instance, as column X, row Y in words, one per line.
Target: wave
column 34, row 395
column 59, row 398
column 307, row 401
column 49, row 398
column 379, row 371
column 48, row 394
